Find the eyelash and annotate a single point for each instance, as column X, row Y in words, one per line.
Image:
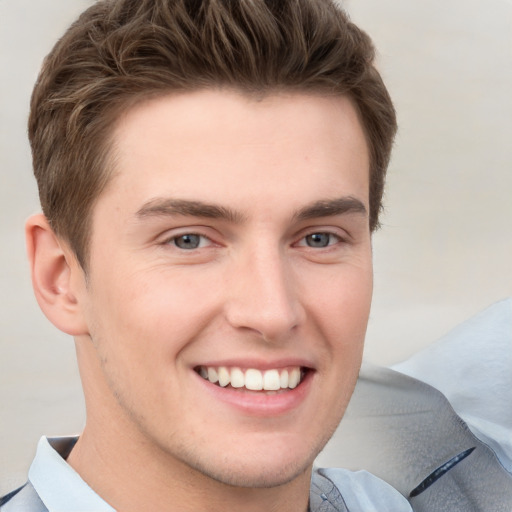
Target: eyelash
column 174, row 239
column 333, row 239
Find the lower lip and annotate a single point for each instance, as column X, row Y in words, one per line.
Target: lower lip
column 260, row 403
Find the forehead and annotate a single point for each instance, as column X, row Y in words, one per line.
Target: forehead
column 223, row 144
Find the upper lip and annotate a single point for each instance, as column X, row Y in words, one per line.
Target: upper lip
column 258, row 364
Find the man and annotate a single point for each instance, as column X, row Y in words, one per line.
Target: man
column 210, row 175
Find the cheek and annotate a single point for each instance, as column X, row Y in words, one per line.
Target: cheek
column 343, row 316
column 342, row 302
column 154, row 310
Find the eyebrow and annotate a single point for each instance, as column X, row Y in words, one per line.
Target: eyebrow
column 160, row 207
column 332, row 207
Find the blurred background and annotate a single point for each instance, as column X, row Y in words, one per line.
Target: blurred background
column 445, row 248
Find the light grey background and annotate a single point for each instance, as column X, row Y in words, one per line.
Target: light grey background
column 445, row 248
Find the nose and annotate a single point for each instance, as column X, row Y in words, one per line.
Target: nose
column 262, row 296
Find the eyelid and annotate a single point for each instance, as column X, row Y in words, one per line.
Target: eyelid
column 172, row 234
column 302, row 242
column 202, row 244
column 342, row 235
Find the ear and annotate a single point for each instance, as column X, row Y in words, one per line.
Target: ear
column 57, row 277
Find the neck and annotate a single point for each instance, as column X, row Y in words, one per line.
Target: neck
column 131, row 477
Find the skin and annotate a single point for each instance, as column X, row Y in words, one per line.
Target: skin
column 255, row 293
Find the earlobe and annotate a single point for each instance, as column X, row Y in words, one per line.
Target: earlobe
column 57, row 278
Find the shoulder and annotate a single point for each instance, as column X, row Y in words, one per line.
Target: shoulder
column 23, row 499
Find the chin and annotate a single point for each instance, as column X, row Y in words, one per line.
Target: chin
column 272, row 466
column 262, row 477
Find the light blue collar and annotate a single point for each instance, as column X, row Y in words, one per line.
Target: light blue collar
column 59, row 486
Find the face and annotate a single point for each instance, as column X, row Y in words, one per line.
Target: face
column 229, row 281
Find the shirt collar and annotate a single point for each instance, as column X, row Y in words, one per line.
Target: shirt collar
column 59, row 486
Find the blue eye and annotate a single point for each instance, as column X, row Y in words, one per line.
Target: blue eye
column 320, row 240
column 188, row 241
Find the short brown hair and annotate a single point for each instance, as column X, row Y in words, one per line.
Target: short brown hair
column 120, row 51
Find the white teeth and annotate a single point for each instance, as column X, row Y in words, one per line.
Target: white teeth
column 237, row 378
column 253, row 379
column 284, row 379
column 271, row 380
column 224, row 377
column 212, row 375
column 294, row 378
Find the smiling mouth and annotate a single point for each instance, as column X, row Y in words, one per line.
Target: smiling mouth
column 251, row 379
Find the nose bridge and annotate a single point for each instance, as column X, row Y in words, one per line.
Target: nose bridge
column 262, row 297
